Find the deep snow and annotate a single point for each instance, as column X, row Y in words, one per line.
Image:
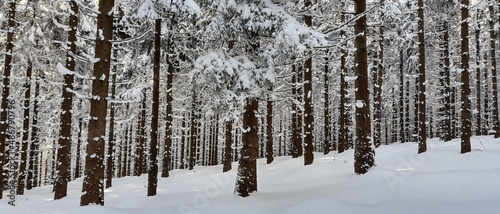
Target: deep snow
column 439, row 181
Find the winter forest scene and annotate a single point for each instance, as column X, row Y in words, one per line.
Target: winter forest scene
column 249, row 106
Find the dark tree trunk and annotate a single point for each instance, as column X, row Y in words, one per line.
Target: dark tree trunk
column 93, row 183
column 183, row 144
column 110, row 164
column 327, row 126
column 446, row 128
column 308, row 105
column 5, row 92
column 153, row 150
column 422, row 131
column 378, row 75
column 26, row 125
column 300, row 113
column 78, row 149
column 34, row 144
column 295, row 134
column 343, row 117
column 494, row 71
column 168, row 111
column 194, row 132
column 402, row 133
column 478, row 81
column 141, row 130
column 364, row 153
column 227, row 147
column 465, row 113
column 246, row 181
column 64, row 148
column 269, row 131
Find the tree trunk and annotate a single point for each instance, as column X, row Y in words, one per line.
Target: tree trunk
column 194, row 132
column 6, row 87
column 34, row 144
column 378, row 75
column 183, row 144
column 110, row 164
column 308, row 105
column 494, row 71
column 269, row 130
column 168, row 111
column 326, row 95
column 295, row 125
column 78, row 149
column 422, row 131
column 26, row 125
column 343, row 120
column 141, row 130
column 153, row 161
column 364, row 153
column 478, row 81
column 402, row 124
column 466, row 113
column 246, row 181
column 227, row 148
column 64, row 148
column 93, row 186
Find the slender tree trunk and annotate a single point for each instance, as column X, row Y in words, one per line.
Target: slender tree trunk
column 295, row 135
column 445, row 84
column 6, row 86
column 327, row 143
column 246, row 181
column 402, row 129
column 183, row 144
column 153, row 161
column 466, row 113
column 141, row 129
column 227, row 147
column 269, row 131
column 33, row 159
column 308, row 105
column 125, row 165
column 343, row 117
column 93, row 183
column 478, row 81
column 364, row 153
column 78, row 149
column 300, row 114
column 494, row 71
column 422, row 131
column 26, row 125
column 378, row 75
column 194, row 132
column 110, row 163
column 168, row 111
column 64, row 148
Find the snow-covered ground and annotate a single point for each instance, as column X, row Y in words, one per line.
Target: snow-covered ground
column 439, row 181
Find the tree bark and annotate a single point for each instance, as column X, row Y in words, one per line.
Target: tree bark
column 494, row 72
column 93, row 186
column 269, row 131
column 343, row 120
column 478, row 81
column 378, row 75
column 465, row 113
column 422, row 131
column 364, row 153
column 168, row 111
column 64, row 148
column 308, row 106
column 194, row 132
column 246, row 181
column 326, row 95
column 26, row 125
column 153, row 156
column 34, row 144
column 227, row 148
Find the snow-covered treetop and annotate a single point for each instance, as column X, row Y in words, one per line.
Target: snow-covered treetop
column 159, row 8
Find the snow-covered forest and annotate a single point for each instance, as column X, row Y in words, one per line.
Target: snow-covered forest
column 152, row 98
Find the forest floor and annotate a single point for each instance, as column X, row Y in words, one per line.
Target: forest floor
column 439, row 181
